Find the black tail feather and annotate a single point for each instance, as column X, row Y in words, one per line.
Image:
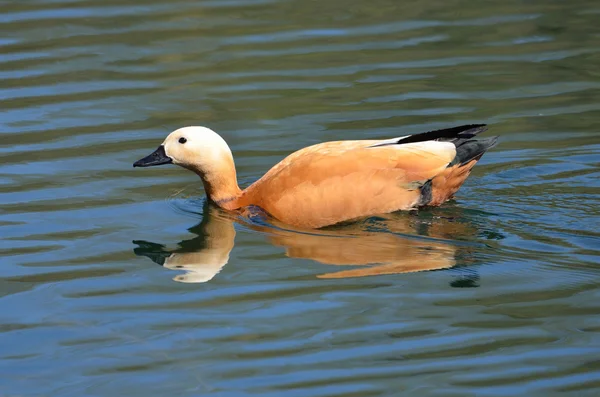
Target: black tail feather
column 470, row 149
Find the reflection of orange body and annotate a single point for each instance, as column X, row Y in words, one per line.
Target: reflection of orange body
column 377, row 252
column 385, row 252
column 388, row 253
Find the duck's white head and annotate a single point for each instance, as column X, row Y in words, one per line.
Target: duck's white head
column 203, row 151
column 195, row 148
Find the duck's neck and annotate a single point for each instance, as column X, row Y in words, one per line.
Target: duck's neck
column 220, row 183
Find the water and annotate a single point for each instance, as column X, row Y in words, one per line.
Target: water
column 509, row 306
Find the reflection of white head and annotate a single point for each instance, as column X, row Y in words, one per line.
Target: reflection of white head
column 218, row 237
column 199, row 267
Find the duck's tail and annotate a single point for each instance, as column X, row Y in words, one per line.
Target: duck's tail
column 443, row 186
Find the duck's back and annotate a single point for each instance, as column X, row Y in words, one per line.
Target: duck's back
column 332, row 182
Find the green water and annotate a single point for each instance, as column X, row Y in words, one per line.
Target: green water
column 510, row 306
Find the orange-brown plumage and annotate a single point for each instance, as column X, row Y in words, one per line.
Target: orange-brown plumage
column 449, row 181
column 338, row 181
column 331, row 182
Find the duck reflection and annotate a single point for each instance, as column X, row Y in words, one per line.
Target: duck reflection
column 202, row 257
column 390, row 244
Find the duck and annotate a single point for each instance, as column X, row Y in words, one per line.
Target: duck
column 333, row 182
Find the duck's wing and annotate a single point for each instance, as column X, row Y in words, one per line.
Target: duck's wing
column 336, row 181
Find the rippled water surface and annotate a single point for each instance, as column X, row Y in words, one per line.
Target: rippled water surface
column 117, row 281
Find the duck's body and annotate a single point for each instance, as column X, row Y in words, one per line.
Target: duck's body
column 331, row 182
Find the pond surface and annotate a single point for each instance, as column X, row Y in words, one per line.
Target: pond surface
column 92, row 303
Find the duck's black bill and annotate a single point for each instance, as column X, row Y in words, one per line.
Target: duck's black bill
column 158, row 157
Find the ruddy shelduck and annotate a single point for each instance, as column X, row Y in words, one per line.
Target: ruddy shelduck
column 332, row 182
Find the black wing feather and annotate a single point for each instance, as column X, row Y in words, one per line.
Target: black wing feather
column 446, row 134
column 462, row 136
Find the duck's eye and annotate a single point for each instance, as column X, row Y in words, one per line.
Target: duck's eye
column 182, row 140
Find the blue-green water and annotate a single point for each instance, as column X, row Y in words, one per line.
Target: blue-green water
column 510, row 305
